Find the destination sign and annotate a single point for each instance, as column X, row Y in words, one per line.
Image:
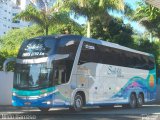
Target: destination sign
column 34, row 49
column 33, row 54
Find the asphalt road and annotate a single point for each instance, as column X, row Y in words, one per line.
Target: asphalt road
column 147, row 112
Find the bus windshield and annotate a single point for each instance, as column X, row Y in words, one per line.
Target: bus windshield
column 38, row 74
column 32, row 76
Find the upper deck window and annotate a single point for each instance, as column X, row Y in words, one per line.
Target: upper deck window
column 43, row 47
column 37, row 48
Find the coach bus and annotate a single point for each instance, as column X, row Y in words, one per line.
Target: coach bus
column 73, row 71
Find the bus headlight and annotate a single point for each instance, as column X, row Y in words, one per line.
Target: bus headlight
column 14, row 94
column 47, row 102
column 44, row 95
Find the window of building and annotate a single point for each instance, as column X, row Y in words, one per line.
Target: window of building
column 15, row 21
column 14, row 14
column 15, row 28
column 4, row 25
column 18, row 2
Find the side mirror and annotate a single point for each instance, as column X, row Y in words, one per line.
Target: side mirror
column 7, row 61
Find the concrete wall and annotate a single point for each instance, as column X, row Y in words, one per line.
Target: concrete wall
column 6, row 85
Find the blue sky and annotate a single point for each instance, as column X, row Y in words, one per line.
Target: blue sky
column 136, row 26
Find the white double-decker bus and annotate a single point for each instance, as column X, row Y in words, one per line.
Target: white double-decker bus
column 74, row 71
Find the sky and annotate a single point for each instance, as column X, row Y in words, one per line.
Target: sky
column 136, row 26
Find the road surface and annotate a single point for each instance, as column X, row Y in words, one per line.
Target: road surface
column 147, row 112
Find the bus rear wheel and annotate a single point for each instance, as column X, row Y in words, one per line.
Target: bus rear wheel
column 44, row 109
column 133, row 101
column 140, row 100
column 78, row 103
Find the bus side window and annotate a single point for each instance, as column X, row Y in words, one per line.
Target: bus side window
column 88, row 53
column 60, row 75
column 56, row 73
column 63, row 76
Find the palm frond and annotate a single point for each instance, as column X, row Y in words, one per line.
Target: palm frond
column 31, row 14
column 115, row 4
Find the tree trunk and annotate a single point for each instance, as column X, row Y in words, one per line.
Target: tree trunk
column 46, row 30
column 89, row 28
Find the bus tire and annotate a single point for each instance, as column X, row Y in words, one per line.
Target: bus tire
column 140, row 100
column 44, row 109
column 133, row 101
column 78, row 103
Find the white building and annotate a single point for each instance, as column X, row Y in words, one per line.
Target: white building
column 155, row 3
column 9, row 9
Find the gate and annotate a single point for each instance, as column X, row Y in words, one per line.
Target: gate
column 6, row 85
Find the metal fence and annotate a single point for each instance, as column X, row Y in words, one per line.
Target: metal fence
column 6, row 84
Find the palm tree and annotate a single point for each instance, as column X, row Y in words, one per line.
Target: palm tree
column 45, row 17
column 148, row 16
column 145, row 10
column 94, row 9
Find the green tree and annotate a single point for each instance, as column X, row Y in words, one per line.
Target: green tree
column 94, row 9
column 13, row 39
column 116, row 31
column 70, row 28
column 146, row 11
column 11, row 42
column 146, row 15
column 45, row 18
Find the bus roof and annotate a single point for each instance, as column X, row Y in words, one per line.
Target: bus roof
column 100, row 42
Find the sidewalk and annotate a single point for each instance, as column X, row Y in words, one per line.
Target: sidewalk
column 4, row 108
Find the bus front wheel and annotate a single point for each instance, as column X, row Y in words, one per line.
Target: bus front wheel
column 78, row 103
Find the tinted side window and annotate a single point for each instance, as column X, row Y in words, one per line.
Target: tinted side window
column 63, row 67
column 88, row 53
column 68, row 46
column 112, row 56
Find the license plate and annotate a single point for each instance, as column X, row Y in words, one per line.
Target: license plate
column 27, row 103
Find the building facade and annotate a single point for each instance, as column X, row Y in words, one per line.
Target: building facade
column 10, row 8
column 155, row 3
